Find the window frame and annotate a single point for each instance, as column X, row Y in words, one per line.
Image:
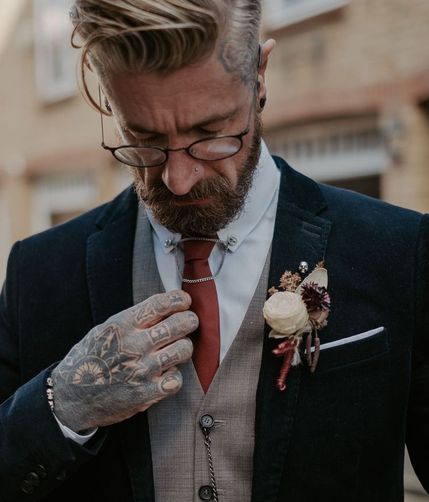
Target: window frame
column 52, row 88
column 280, row 15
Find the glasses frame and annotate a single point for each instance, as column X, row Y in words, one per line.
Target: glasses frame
column 166, row 151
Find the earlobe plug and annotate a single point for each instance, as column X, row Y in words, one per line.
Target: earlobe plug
column 262, row 103
column 107, row 105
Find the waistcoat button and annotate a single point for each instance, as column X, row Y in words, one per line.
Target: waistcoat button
column 41, row 471
column 33, row 478
column 206, row 493
column 28, row 488
column 207, row 421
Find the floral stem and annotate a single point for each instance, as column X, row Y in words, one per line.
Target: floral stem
column 316, row 354
column 286, row 349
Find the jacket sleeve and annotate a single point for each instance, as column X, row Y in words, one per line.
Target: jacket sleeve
column 35, row 457
column 418, row 406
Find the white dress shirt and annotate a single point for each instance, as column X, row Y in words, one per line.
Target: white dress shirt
column 249, row 237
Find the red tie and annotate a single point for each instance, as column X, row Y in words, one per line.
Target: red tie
column 205, row 305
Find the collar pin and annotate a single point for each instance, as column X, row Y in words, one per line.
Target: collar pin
column 303, row 267
column 232, row 241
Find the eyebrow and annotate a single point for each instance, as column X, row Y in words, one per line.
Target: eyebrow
column 216, row 117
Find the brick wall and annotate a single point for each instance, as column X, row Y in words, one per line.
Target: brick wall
column 367, row 57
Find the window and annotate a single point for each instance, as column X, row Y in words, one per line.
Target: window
column 54, row 57
column 336, row 149
column 61, row 196
column 282, row 13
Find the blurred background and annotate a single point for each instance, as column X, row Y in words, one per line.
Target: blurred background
column 348, row 105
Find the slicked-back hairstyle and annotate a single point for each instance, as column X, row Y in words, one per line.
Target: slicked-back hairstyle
column 165, row 35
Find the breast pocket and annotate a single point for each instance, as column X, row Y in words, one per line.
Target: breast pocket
column 353, row 349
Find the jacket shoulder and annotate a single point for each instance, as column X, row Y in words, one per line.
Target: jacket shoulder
column 358, row 211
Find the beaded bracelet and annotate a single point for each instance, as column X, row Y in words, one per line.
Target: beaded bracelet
column 50, row 392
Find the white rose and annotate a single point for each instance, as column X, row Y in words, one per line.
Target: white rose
column 286, row 313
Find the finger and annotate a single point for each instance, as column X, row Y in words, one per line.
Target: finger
column 169, row 330
column 170, row 382
column 177, row 353
column 161, row 387
column 157, row 307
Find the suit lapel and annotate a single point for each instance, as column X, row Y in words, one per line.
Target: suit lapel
column 109, row 275
column 109, row 258
column 300, row 235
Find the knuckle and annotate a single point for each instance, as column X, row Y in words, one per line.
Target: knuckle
column 184, row 321
column 186, row 348
column 158, row 334
column 170, row 300
column 171, row 383
column 148, row 367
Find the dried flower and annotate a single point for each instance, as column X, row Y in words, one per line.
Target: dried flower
column 290, row 281
column 303, row 307
column 287, row 314
column 272, row 291
column 315, row 297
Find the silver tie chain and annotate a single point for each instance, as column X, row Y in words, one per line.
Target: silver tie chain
column 208, row 444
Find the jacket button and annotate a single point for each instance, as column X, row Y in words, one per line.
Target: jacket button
column 207, row 422
column 27, row 487
column 206, row 492
column 33, row 479
column 61, row 476
column 41, row 471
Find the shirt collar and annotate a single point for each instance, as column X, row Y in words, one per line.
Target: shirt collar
column 264, row 188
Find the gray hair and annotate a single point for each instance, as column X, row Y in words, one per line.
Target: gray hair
column 165, row 35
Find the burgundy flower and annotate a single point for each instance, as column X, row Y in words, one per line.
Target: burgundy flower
column 315, row 297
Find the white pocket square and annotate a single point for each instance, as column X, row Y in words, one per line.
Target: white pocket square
column 350, row 339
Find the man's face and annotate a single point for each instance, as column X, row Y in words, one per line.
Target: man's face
column 186, row 195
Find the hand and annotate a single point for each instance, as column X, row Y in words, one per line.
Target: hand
column 126, row 364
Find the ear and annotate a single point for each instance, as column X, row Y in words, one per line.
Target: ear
column 87, row 62
column 266, row 49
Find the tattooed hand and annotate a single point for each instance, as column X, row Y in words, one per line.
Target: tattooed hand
column 126, row 364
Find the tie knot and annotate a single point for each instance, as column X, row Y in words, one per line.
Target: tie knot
column 197, row 249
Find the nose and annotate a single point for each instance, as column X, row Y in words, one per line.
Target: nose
column 181, row 172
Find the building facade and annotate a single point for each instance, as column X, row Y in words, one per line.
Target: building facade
column 51, row 165
column 349, row 93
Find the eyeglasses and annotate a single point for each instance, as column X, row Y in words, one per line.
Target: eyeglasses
column 208, row 149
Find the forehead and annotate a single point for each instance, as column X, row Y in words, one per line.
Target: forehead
column 186, row 96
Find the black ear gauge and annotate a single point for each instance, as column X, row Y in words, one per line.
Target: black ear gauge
column 107, row 105
column 262, row 103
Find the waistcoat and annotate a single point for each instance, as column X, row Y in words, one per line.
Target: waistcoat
column 179, row 455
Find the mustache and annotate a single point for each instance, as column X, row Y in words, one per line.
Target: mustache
column 204, row 189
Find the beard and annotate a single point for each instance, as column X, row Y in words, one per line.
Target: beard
column 226, row 202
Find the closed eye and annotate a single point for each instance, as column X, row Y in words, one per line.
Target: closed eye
column 208, row 132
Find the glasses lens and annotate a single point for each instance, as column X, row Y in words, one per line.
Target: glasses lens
column 216, row 148
column 140, row 157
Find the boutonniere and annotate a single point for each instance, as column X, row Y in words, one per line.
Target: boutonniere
column 300, row 310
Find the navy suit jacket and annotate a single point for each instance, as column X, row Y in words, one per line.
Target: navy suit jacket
column 335, row 435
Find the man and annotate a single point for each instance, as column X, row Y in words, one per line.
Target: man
column 99, row 317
